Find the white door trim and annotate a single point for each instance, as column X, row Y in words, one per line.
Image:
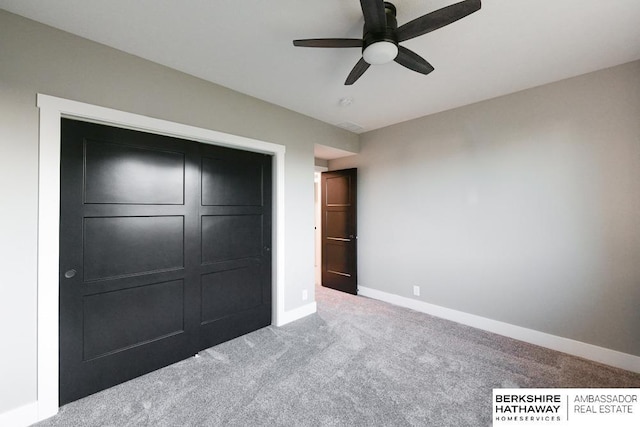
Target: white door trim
column 52, row 109
column 318, row 222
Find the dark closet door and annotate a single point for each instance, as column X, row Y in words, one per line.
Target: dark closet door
column 134, row 288
column 235, row 268
column 339, row 230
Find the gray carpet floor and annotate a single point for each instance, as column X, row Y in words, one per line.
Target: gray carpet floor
column 357, row 362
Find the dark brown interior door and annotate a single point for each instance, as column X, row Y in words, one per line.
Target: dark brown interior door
column 339, row 230
column 164, row 251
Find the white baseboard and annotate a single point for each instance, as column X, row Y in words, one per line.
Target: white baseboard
column 607, row 356
column 297, row 313
column 21, row 416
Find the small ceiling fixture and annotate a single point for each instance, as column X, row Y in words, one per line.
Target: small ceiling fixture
column 345, row 102
column 381, row 35
column 350, row 126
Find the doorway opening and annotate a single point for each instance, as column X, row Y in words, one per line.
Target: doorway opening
column 335, row 227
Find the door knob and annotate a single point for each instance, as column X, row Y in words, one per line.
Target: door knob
column 70, row 273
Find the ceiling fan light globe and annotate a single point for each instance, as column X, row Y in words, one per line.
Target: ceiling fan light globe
column 380, row 53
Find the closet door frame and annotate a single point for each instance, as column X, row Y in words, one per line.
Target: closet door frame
column 52, row 109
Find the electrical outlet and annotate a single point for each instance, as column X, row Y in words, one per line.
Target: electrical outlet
column 305, row 295
column 416, row 291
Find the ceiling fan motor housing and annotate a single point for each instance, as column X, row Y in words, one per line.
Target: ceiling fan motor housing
column 381, row 47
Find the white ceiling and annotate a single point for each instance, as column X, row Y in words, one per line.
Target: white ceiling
column 246, row 45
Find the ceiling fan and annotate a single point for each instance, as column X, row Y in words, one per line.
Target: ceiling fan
column 381, row 35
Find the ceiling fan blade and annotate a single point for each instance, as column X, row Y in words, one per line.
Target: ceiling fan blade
column 357, row 71
column 412, row 61
column 328, row 43
column 438, row 19
column 375, row 17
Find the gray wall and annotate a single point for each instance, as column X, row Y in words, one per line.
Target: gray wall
column 35, row 58
column 523, row 209
column 322, row 163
